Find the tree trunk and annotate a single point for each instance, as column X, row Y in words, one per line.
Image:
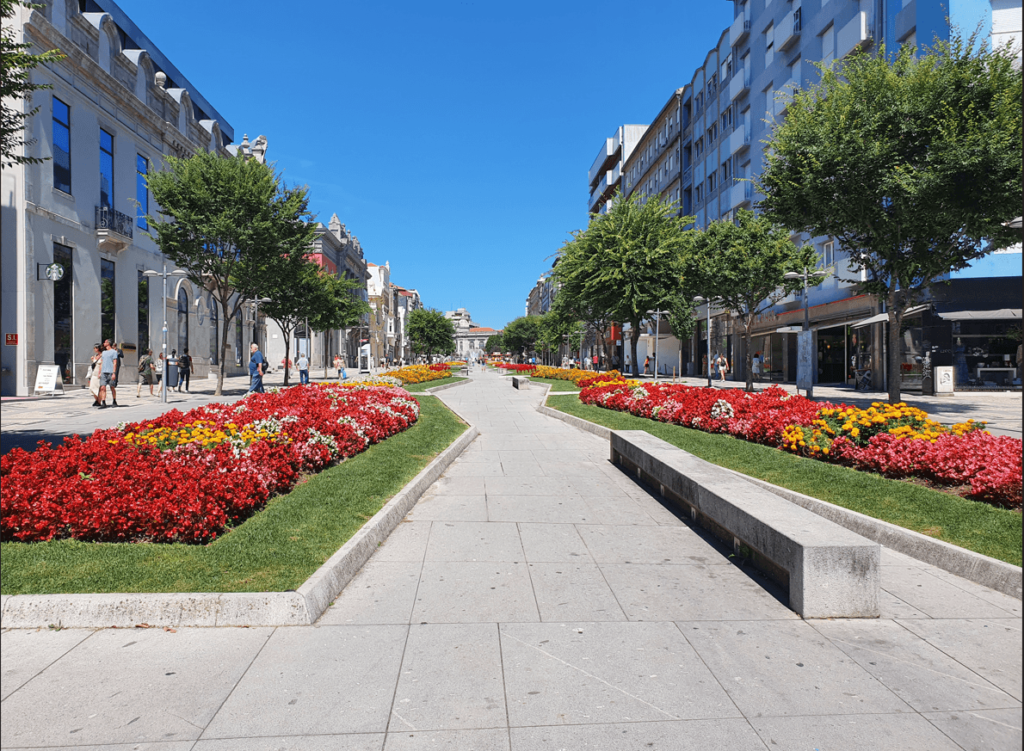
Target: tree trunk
column 748, row 338
column 895, row 374
column 287, row 348
column 634, row 338
column 227, row 318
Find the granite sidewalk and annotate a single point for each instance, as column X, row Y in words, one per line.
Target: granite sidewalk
column 536, row 598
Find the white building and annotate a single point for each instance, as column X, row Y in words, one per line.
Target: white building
column 117, row 106
column 1006, row 25
column 469, row 337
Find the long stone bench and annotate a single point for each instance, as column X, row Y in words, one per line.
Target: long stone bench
column 520, row 382
column 830, row 571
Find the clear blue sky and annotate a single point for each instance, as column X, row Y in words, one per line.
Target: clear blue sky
column 452, row 138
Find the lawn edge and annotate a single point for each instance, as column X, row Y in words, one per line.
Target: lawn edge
column 976, row 567
column 299, row 607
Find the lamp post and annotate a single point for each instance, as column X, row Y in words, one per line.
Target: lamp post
column 657, row 322
column 163, row 333
column 256, row 320
column 699, row 299
column 806, row 275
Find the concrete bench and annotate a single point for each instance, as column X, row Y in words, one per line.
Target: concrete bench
column 830, row 572
column 520, row 382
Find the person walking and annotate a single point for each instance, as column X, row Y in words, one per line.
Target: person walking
column 647, row 365
column 108, row 374
column 337, row 365
column 94, row 375
column 184, row 370
column 755, row 367
column 158, row 368
column 722, row 363
column 303, row 365
column 147, row 373
column 257, row 367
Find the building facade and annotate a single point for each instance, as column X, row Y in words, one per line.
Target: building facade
column 406, row 301
column 382, row 314
column 605, row 176
column 117, row 107
column 470, row 338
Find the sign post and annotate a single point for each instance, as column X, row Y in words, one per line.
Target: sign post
column 48, row 380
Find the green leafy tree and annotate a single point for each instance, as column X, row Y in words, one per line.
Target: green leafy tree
column 521, row 334
column 912, row 163
column 495, row 343
column 16, row 63
column 341, row 308
column 232, row 226
column 627, row 261
column 743, row 265
column 430, row 332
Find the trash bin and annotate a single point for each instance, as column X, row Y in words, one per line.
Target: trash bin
column 171, row 374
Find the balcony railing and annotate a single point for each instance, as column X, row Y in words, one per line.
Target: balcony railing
column 739, row 30
column 113, row 229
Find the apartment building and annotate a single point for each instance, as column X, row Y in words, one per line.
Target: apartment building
column 381, row 344
column 406, row 301
column 605, row 176
column 118, row 105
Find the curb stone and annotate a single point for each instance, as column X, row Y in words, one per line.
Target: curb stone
column 967, row 564
column 294, row 608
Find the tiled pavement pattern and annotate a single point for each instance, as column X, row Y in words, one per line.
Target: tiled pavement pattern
column 537, row 599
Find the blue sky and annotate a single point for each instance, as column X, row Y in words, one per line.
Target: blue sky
column 452, row 138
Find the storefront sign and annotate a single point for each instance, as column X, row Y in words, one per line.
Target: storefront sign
column 11, row 340
column 48, row 380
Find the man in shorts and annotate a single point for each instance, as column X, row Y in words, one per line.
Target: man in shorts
column 108, row 373
column 257, row 367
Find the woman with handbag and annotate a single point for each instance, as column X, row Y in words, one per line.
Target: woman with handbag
column 94, row 375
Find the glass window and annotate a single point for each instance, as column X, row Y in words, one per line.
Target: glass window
column 63, row 312
column 61, row 146
column 769, row 45
column 108, row 305
column 238, row 338
column 143, row 313
column 106, row 169
column 182, row 320
column 828, row 45
column 828, row 254
column 214, row 332
column 141, row 191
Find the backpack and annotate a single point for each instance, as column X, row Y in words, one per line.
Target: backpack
column 184, row 363
column 144, row 364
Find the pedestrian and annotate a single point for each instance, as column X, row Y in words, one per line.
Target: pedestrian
column 94, row 375
column 303, row 365
column 337, row 365
column 108, row 374
column 595, row 362
column 755, row 367
column 159, row 368
column 647, row 365
column 184, row 370
column 723, row 367
column 147, row 373
column 257, row 367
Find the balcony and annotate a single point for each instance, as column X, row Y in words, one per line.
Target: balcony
column 608, row 179
column 906, row 21
column 853, row 36
column 741, row 194
column 739, row 30
column 113, row 229
column 739, row 140
column 739, row 84
column 687, row 175
column 789, row 29
column 783, row 97
column 604, row 159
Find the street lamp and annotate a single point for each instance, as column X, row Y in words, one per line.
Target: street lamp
column 657, row 321
column 699, row 299
column 256, row 320
column 805, row 362
column 163, row 334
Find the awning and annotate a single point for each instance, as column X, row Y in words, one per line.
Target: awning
column 787, row 330
column 1003, row 314
column 884, row 317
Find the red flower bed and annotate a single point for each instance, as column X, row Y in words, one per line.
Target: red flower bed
column 184, row 477
column 990, row 465
column 514, row 367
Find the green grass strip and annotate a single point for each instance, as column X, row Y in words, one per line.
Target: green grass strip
column 274, row 551
column 556, row 384
column 969, row 524
column 416, row 388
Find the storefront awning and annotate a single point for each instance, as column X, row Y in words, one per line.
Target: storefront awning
column 787, row 330
column 1003, row 314
column 883, row 317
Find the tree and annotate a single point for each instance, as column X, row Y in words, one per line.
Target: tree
column 627, row 261
column 16, row 64
column 521, row 334
column 231, row 225
column 911, row 163
column 743, row 265
column 430, row 332
column 495, row 343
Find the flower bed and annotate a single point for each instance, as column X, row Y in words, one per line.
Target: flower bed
column 420, row 373
column 515, row 367
column 185, row 477
column 893, row 440
column 582, row 378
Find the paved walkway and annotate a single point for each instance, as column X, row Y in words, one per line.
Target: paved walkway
column 536, row 599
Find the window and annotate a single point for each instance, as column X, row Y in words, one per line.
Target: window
column 182, row 320
column 769, row 45
column 726, row 172
column 108, row 302
column 238, row 338
column 727, row 119
column 61, row 146
column 214, row 332
column 63, row 312
column 828, row 254
column 828, row 45
column 106, row 169
column 141, row 191
column 143, row 313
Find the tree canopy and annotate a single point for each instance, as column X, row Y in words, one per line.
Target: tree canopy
column 742, row 266
column 495, row 343
column 16, row 64
column 231, row 225
column 912, row 162
column 520, row 335
column 625, row 263
column 430, row 332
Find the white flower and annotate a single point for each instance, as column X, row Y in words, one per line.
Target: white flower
column 721, row 409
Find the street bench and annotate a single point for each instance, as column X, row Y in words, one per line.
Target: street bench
column 830, row 572
column 520, row 382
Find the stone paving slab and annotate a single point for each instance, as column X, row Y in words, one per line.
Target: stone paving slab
column 501, row 615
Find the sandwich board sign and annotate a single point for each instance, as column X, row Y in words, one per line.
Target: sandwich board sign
column 48, row 380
